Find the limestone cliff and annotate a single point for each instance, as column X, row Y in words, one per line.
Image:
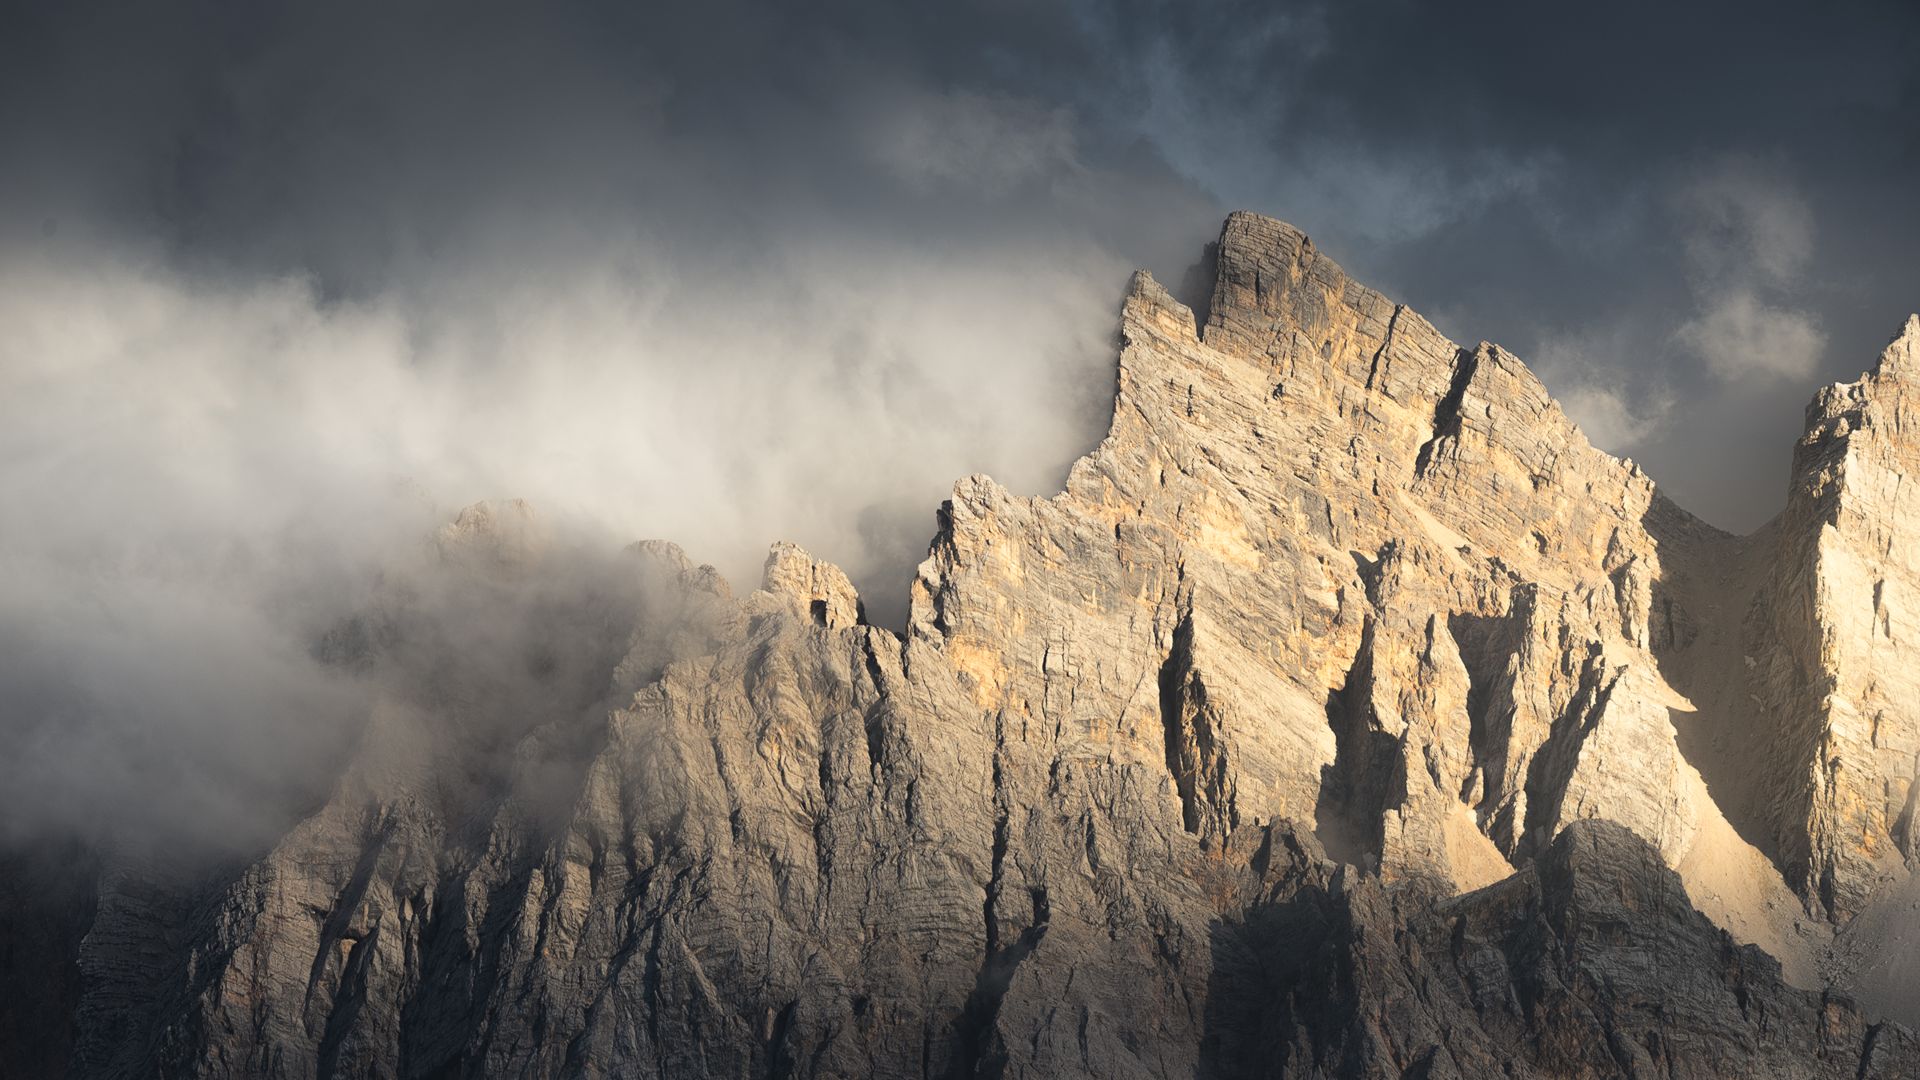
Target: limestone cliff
column 1834, row 639
column 1347, row 714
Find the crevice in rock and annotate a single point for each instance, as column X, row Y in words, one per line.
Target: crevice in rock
column 1386, row 342
column 652, row 989
column 338, row 921
column 978, row 1050
column 822, row 827
column 1489, row 647
column 1446, row 413
column 874, row 719
column 347, row 1003
column 1904, row 837
column 1197, row 285
column 875, row 726
column 1357, row 787
column 981, row 1053
column 1552, row 766
column 1195, row 757
column 1370, row 571
column 779, row 1055
column 1179, row 755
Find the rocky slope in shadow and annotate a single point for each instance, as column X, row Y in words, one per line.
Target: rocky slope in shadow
column 1348, row 714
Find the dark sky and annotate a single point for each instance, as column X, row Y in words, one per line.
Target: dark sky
column 1687, row 216
column 283, row 284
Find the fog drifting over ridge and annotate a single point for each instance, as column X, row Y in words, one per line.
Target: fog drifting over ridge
column 283, row 289
column 215, row 473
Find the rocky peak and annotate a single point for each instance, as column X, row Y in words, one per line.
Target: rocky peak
column 1902, row 354
column 1328, row 565
column 1348, row 713
column 820, row 589
column 1833, row 641
column 1878, row 397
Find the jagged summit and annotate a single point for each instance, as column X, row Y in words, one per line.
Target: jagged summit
column 1903, row 352
column 1348, row 713
column 1391, row 588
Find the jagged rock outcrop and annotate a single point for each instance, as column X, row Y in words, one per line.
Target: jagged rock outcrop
column 1833, row 640
column 1388, row 586
column 1273, row 745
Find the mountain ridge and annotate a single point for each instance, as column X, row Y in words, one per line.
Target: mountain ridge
column 1306, row 688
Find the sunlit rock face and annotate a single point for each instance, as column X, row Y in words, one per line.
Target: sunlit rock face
column 1834, row 640
column 1348, row 714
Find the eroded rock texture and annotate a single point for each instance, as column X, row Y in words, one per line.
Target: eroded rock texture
column 1348, row 714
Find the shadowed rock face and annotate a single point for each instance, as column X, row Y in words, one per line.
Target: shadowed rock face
column 1348, row 714
column 1590, row 962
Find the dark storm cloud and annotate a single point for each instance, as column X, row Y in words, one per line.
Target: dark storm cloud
column 285, row 285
